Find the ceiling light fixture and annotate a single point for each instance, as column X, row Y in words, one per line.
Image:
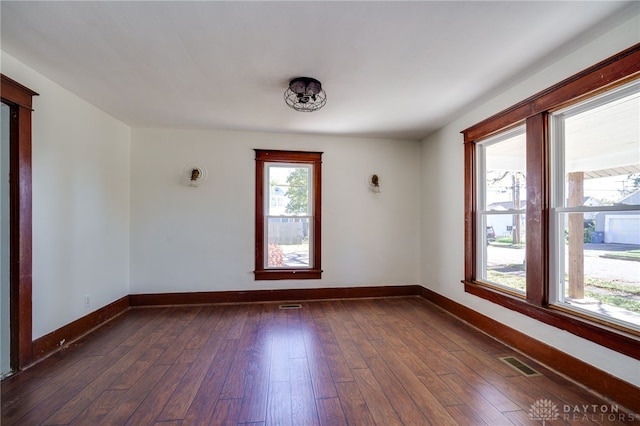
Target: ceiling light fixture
column 305, row 94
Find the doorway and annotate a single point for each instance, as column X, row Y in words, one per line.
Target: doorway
column 5, row 306
column 16, row 344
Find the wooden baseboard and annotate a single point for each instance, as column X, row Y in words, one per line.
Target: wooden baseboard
column 604, row 383
column 167, row 299
column 49, row 343
column 610, row 386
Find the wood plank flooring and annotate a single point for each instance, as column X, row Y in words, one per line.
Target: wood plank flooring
column 387, row 361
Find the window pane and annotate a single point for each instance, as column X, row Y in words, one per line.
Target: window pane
column 288, row 242
column 598, row 277
column 504, row 260
column 602, row 150
column 504, row 171
column 289, row 190
column 287, row 231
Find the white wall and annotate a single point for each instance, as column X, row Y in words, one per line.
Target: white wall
column 80, row 203
column 187, row 239
column 443, row 205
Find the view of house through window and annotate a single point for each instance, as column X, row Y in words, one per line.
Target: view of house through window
column 288, row 214
column 501, row 209
column 596, row 206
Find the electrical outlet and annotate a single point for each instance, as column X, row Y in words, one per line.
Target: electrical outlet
column 87, row 301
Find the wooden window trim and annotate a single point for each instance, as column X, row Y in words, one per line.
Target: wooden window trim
column 297, row 157
column 614, row 71
column 19, row 98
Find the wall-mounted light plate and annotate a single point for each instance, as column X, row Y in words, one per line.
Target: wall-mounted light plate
column 373, row 183
column 194, row 175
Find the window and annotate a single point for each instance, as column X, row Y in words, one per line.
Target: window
column 287, row 215
column 595, row 153
column 501, row 190
column 572, row 154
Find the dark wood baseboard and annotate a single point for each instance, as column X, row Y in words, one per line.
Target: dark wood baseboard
column 604, row 383
column 615, row 339
column 610, row 386
column 167, row 299
column 49, row 343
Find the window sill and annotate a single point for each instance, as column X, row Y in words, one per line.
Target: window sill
column 288, row 274
column 614, row 339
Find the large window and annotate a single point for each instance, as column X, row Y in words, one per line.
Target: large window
column 287, row 215
column 555, row 179
column 595, row 197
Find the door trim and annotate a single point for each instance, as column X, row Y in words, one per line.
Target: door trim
column 19, row 99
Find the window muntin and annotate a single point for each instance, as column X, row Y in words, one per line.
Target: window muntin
column 287, row 220
column 501, row 197
column 595, row 210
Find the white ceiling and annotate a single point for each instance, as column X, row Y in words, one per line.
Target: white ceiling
column 390, row 69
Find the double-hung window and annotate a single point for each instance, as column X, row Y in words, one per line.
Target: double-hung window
column 595, row 200
column 552, row 205
column 500, row 196
column 288, row 222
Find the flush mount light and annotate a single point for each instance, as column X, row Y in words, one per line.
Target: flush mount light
column 305, row 94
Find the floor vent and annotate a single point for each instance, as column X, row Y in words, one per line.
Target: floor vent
column 291, row 306
column 520, row 366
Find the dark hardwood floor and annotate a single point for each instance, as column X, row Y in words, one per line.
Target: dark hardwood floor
column 387, row 361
